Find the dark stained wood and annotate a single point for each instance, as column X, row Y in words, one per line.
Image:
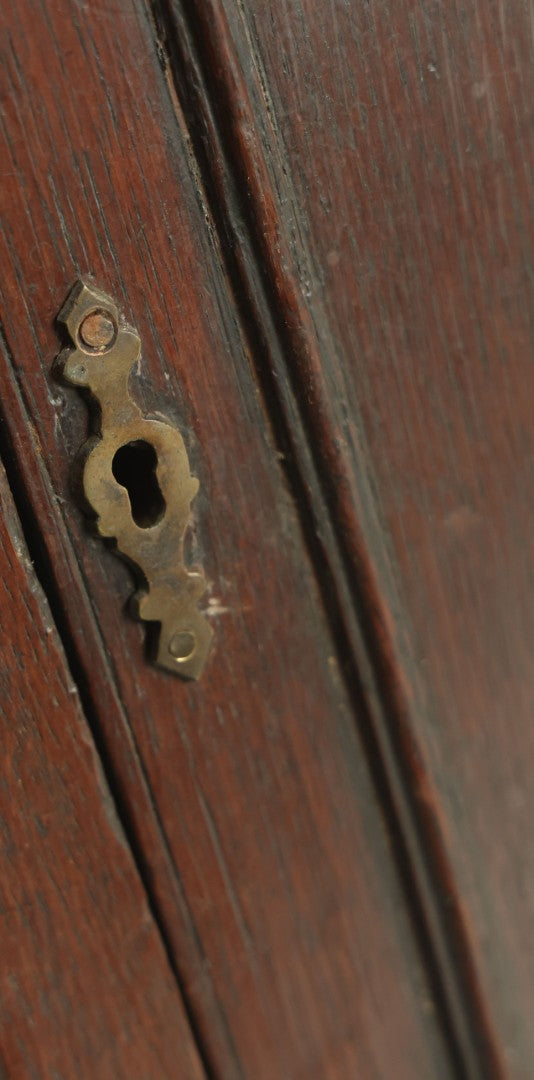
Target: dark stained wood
column 85, row 985
column 383, row 156
column 248, row 795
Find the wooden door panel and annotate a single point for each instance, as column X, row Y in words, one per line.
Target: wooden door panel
column 384, row 155
column 249, row 796
column 85, row 983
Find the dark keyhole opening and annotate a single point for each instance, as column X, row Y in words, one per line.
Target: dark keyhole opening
column 134, row 467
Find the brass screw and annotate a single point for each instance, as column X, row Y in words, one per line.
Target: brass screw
column 97, row 330
column 182, row 645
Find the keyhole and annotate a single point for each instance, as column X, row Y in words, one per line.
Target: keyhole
column 134, row 467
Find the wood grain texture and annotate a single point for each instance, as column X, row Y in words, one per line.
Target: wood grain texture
column 249, row 795
column 384, row 156
column 85, row 984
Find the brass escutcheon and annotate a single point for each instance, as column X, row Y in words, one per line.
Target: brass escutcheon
column 136, row 478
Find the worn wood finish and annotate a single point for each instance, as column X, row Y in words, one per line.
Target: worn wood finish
column 249, row 796
column 384, row 154
column 85, row 984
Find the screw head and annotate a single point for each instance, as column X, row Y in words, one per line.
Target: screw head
column 98, row 330
column 182, row 645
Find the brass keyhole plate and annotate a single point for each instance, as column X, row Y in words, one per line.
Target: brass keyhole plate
column 136, row 477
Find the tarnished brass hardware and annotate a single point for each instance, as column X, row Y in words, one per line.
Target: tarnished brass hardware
column 136, row 478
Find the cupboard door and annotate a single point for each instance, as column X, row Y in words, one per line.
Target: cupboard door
column 253, row 800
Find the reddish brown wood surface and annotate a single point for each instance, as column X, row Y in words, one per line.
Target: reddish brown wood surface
column 85, row 985
column 249, row 797
column 382, row 155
